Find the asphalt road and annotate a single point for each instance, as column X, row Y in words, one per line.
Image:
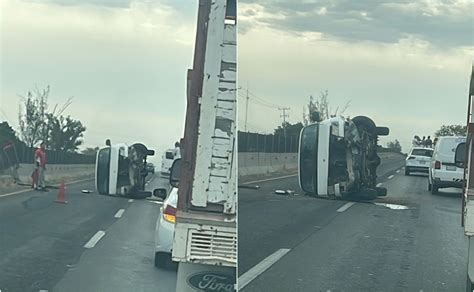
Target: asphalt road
column 301, row 243
column 42, row 243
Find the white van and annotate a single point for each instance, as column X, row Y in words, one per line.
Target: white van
column 167, row 160
column 443, row 172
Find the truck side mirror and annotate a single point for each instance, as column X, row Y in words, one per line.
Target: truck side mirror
column 175, row 173
column 460, row 156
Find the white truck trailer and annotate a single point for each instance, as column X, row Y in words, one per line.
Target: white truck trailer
column 465, row 158
column 205, row 238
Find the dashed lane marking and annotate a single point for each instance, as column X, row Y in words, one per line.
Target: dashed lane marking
column 345, row 207
column 94, row 239
column 261, row 267
column 119, row 213
column 379, row 185
column 390, row 177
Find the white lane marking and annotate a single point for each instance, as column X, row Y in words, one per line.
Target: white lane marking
column 345, row 207
column 390, row 177
column 94, row 239
column 17, row 192
column 261, row 267
column 31, row 190
column 130, row 200
column 398, row 171
column 119, row 213
column 379, row 185
column 268, row 179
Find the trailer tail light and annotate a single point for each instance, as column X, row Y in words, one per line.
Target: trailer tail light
column 169, row 214
column 438, row 164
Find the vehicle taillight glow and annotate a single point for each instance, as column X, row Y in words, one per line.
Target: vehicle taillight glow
column 169, row 214
column 438, row 164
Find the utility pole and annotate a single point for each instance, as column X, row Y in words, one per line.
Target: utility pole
column 284, row 115
column 246, row 108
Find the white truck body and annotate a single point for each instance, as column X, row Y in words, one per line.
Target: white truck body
column 468, row 196
column 205, row 230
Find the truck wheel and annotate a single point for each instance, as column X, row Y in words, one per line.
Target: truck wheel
column 434, row 189
column 162, row 260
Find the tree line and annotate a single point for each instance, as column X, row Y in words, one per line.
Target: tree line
column 38, row 122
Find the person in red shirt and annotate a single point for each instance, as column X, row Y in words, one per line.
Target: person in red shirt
column 40, row 160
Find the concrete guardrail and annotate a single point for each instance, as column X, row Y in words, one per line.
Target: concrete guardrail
column 55, row 173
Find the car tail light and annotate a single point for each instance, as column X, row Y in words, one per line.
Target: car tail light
column 169, row 214
column 411, row 157
column 438, row 164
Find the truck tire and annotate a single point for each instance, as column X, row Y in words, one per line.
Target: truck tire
column 162, row 260
column 434, row 189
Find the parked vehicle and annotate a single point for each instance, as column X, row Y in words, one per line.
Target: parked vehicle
column 418, row 160
column 338, row 158
column 167, row 161
column 443, row 171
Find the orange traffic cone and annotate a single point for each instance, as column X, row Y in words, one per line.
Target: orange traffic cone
column 62, row 194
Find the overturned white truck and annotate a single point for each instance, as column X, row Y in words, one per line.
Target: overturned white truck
column 121, row 170
column 338, row 158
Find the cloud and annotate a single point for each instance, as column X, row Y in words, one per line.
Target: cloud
column 445, row 24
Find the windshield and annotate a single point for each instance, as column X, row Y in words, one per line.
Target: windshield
column 422, row 152
column 169, row 155
column 308, row 158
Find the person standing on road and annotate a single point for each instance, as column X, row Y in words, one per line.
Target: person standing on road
column 423, row 141
column 40, row 160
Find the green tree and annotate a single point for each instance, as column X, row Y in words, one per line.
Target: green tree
column 291, row 129
column 32, row 116
column 451, row 130
column 65, row 133
column 395, row 145
column 7, row 134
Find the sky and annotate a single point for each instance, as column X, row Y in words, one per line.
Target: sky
column 123, row 62
column 405, row 64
